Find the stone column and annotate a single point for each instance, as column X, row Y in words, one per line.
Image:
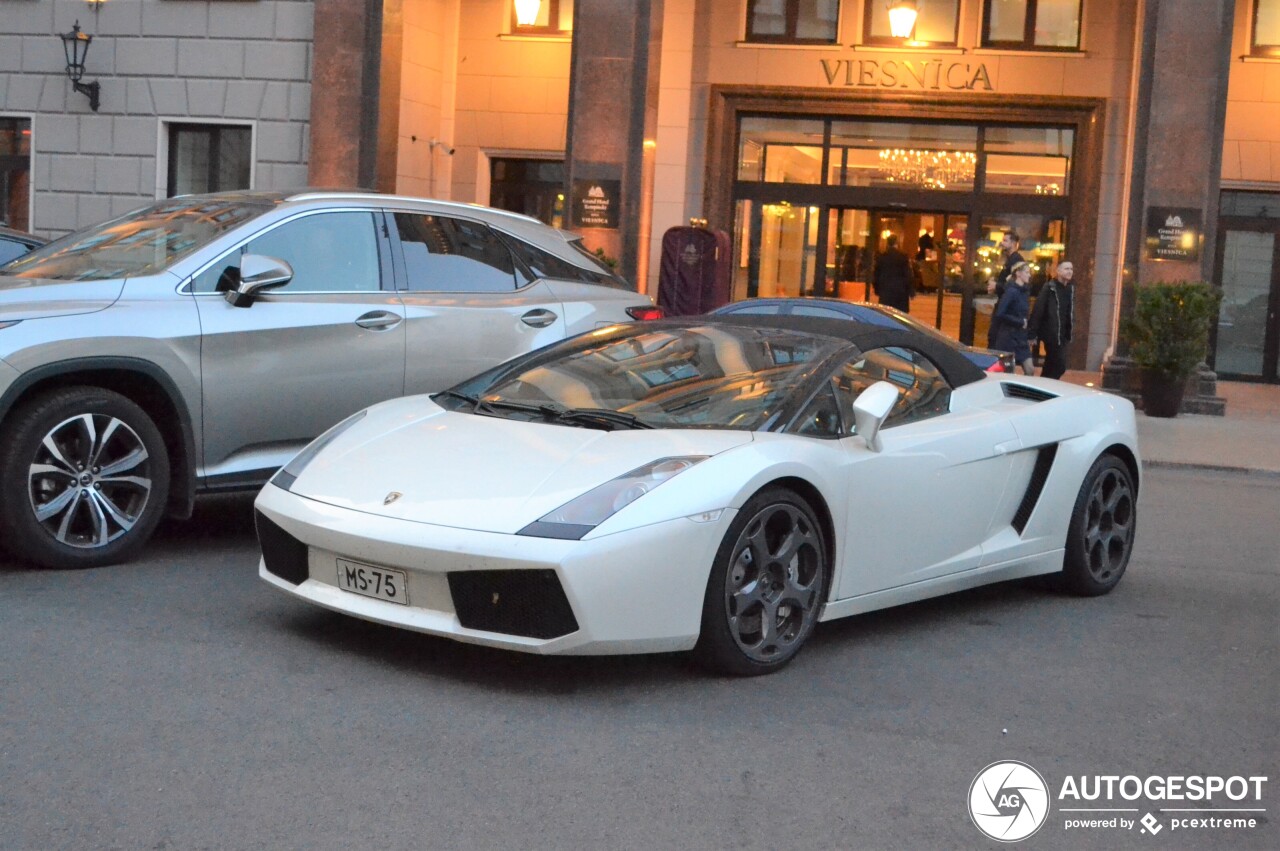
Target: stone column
column 1179, row 122
column 346, row 52
column 613, row 108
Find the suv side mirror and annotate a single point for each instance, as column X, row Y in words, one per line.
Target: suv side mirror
column 257, row 273
column 871, row 409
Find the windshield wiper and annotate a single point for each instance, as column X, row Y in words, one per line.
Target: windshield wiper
column 603, row 416
column 454, row 394
column 557, row 413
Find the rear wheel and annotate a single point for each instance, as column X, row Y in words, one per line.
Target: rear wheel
column 766, row 587
column 1100, row 536
column 84, row 477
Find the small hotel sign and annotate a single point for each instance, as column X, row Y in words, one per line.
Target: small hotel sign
column 919, row 74
column 1173, row 233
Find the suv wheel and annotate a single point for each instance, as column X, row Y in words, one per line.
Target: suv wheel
column 84, row 478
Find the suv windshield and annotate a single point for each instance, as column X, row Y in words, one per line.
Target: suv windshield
column 704, row 376
column 140, row 243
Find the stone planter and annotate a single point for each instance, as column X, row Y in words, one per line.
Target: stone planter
column 1162, row 394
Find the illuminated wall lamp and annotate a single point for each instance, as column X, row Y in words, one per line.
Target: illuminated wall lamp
column 527, row 12
column 902, row 18
column 75, row 45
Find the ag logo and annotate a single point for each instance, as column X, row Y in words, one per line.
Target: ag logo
column 1008, row 801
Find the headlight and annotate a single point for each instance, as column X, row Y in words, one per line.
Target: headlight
column 579, row 516
column 290, row 472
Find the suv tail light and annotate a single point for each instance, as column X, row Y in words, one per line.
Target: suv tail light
column 645, row 313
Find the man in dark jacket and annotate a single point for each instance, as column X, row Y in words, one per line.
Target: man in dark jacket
column 1051, row 320
column 892, row 280
column 1009, row 244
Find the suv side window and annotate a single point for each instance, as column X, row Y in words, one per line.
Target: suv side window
column 443, row 254
column 923, row 392
column 329, row 252
column 544, row 265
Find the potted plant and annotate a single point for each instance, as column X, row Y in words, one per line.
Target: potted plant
column 1168, row 333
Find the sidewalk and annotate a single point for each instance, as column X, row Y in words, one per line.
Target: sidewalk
column 1247, row 439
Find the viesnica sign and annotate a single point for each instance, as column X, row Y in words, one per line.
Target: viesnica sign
column 918, row 74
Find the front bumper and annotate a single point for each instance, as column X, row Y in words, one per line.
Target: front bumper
column 638, row 591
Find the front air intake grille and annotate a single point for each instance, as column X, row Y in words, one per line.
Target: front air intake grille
column 284, row 555
column 1022, row 391
column 1039, row 475
column 530, row 603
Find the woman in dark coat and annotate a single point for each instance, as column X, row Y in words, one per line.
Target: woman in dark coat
column 892, row 281
column 1012, row 313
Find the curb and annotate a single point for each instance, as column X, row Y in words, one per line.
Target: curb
column 1211, row 468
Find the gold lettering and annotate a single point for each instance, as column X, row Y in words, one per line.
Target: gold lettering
column 848, row 72
column 937, row 74
column 911, row 69
column 951, row 81
column 830, row 70
column 981, row 74
column 867, row 72
column 889, row 74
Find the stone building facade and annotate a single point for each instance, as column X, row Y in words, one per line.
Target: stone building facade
column 780, row 130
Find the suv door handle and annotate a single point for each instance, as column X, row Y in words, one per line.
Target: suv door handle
column 539, row 318
column 378, row 320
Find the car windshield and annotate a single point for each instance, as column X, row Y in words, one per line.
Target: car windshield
column 701, row 376
column 140, row 243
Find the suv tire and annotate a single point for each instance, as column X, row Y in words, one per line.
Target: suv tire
column 84, row 478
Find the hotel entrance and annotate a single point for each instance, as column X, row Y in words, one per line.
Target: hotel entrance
column 816, row 198
column 1246, row 342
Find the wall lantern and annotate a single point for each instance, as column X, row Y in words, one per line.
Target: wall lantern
column 75, row 45
column 902, row 18
column 527, row 12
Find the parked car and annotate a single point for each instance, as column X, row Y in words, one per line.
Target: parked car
column 15, row 243
column 990, row 360
column 195, row 345
column 719, row 484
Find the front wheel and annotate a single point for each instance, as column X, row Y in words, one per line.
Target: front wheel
column 84, row 477
column 1100, row 535
column 766, row 587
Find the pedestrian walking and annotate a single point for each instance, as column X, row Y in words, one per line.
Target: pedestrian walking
column 1011, row 313
column 1009, row 244
column 892, row 281
column 1052, row 318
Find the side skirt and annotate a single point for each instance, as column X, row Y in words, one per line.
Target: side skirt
column 1050, row 562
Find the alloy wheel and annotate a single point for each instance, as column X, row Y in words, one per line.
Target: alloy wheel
column 1108, row 526
column 772, row 583
column 90, row 480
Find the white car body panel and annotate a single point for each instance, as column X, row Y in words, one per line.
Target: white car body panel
column 636, row 582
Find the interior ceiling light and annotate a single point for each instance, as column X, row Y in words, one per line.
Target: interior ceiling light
column 902, row 18
column 527, row 12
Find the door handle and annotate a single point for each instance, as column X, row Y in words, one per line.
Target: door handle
column 539, row 318
column 378, row 320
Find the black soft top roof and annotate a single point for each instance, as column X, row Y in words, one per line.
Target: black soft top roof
column 954, row 366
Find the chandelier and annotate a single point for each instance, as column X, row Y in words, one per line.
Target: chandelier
column 927, row 169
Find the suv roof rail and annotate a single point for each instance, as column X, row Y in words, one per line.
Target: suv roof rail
column 332, row 195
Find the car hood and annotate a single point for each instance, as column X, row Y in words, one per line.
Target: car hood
column 479, row 472
column 40, row 298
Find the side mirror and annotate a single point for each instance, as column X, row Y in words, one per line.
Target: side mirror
column 870, row 410
column 257, row 273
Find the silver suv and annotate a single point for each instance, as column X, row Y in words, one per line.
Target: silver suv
column 197, row 344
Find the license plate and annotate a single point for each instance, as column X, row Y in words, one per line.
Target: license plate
column 381, row 583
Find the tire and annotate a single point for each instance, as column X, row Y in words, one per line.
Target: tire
column 767, row 585
column 84, row 478
column 1101, row 533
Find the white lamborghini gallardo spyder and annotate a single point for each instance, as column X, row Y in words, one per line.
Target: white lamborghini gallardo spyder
column 714, row 484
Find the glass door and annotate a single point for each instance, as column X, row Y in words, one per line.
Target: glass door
column 1247, row 337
